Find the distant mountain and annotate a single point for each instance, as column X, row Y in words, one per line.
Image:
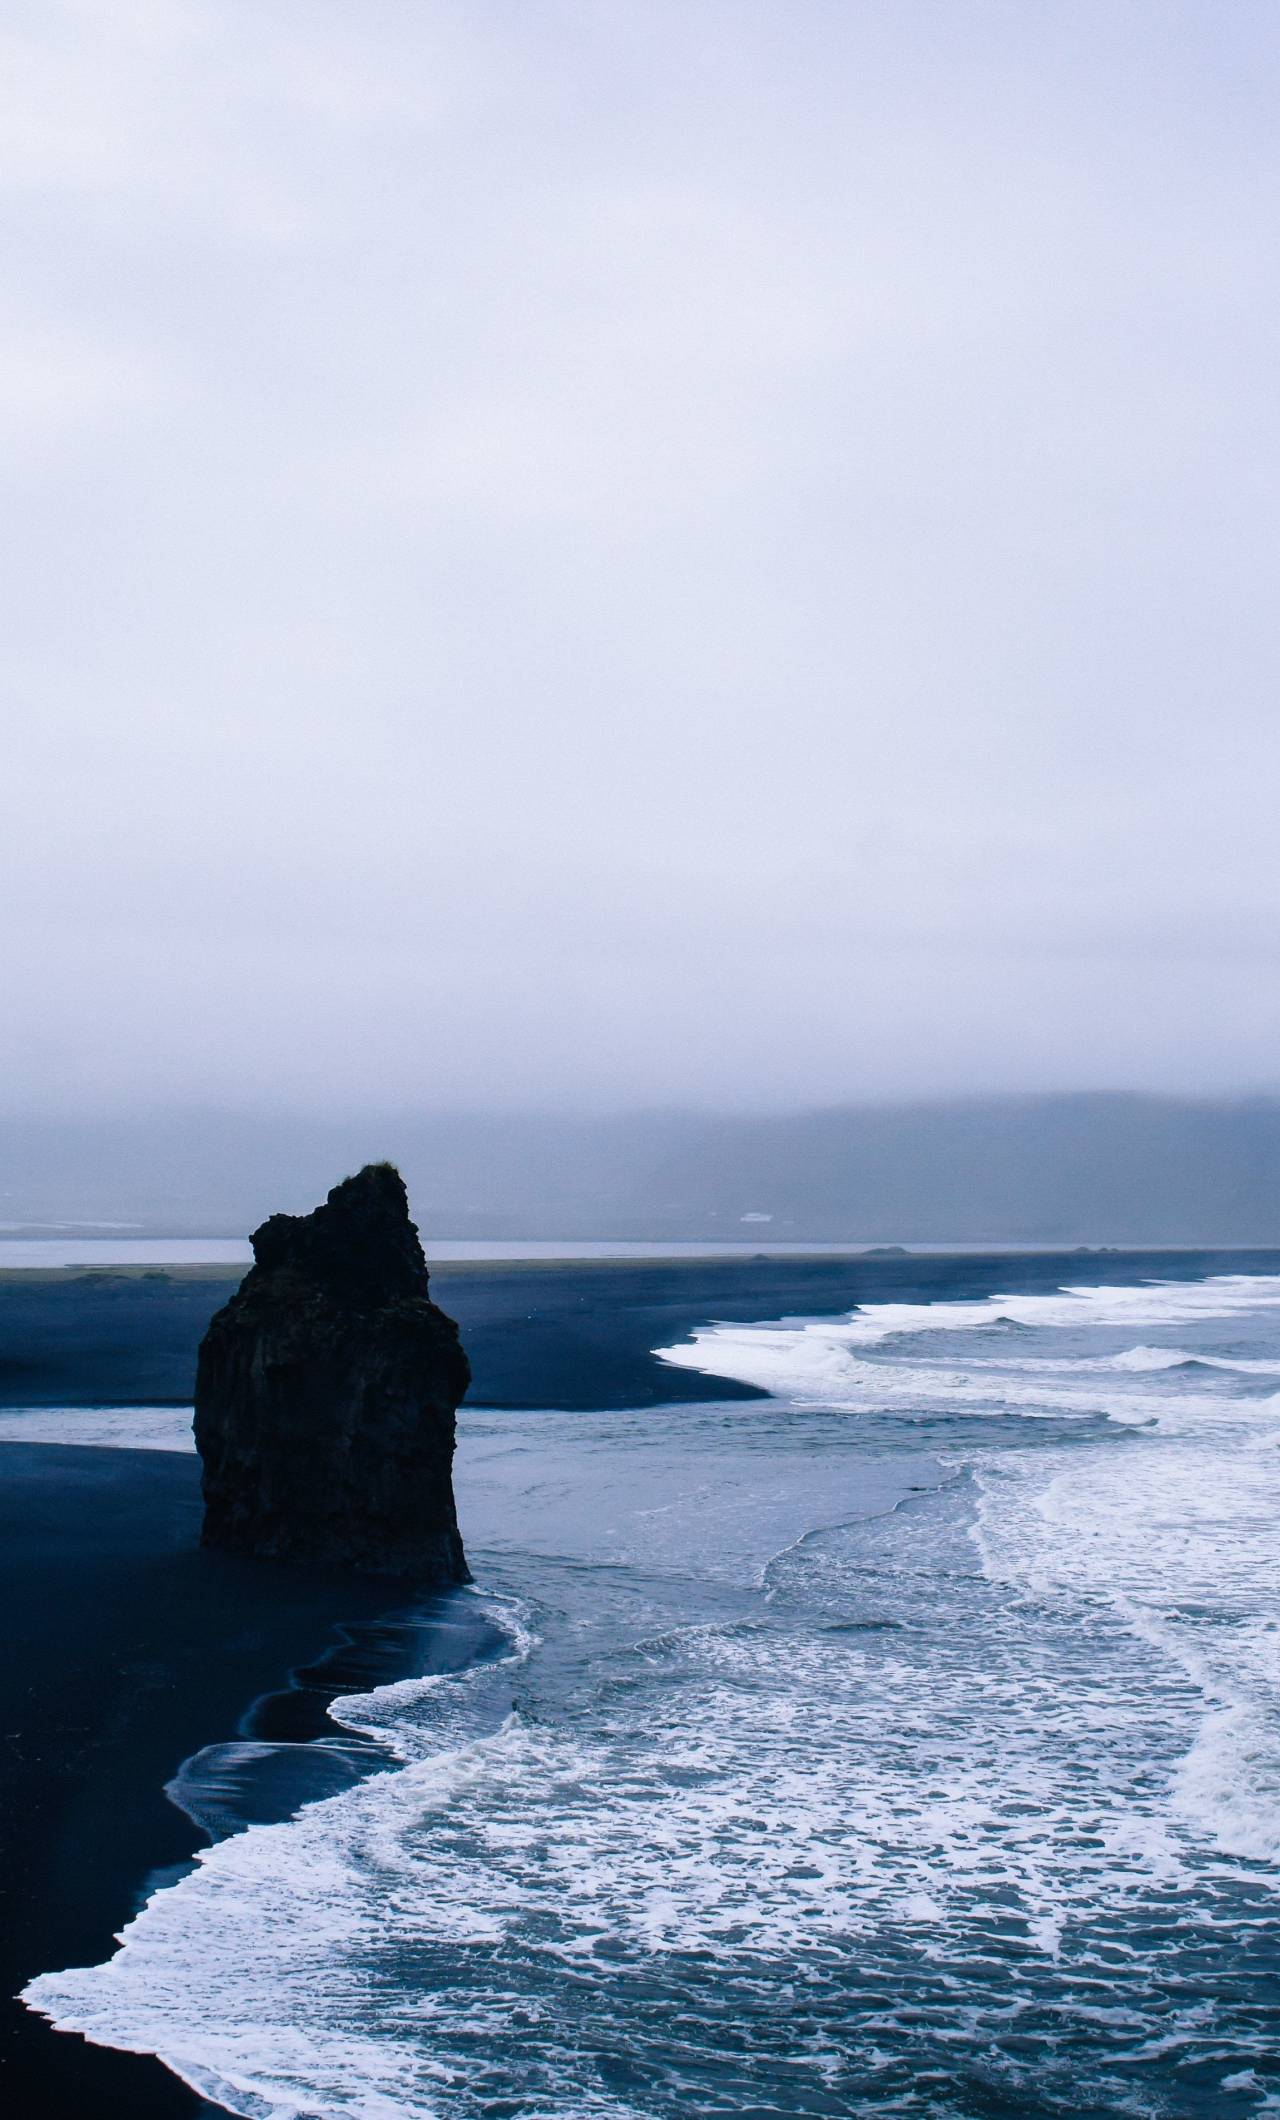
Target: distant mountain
column 1088, row 1169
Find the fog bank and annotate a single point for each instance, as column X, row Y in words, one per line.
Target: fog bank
column 1089, row 1169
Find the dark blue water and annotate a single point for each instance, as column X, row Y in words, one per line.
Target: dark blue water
column 905, row 1743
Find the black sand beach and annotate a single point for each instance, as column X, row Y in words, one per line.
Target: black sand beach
column 128, row 1649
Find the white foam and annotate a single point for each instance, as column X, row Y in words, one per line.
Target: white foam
column 1189, row 1526
column 274, row 1914
column 103, row 1427
column 874, row 1798
column 1179, row 1543
column 1041, row 1703
column 797, row 1357
column 1143, row 1358
column 817, row 1372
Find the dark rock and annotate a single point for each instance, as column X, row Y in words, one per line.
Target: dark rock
column 326, row 1392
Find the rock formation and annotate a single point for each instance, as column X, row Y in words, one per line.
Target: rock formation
column 326, row 1393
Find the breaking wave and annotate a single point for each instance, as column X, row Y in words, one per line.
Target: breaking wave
column 906, row 1743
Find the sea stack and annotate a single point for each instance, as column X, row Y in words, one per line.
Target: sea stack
column 326, row 1393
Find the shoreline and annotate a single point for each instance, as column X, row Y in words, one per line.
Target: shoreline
column 162, row 1258
column 576, row 1335
column 131, row 1649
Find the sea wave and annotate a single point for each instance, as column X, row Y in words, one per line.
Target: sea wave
column 106, row 1427
column 1084, row 1309
column 969, row 1805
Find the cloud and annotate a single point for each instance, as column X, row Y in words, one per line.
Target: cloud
column 674, row 553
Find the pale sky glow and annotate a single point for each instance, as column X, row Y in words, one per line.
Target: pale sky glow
column 605, row 554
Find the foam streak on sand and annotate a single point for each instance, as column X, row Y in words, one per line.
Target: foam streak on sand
column 905, row 1744
column 107, row 1427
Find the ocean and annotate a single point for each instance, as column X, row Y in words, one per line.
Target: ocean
column 906, row 1741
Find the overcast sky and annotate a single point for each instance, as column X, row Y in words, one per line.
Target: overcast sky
column 597, row 554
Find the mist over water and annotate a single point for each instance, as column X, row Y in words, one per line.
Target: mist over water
column 904, row 1742
column 1092, row 1169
